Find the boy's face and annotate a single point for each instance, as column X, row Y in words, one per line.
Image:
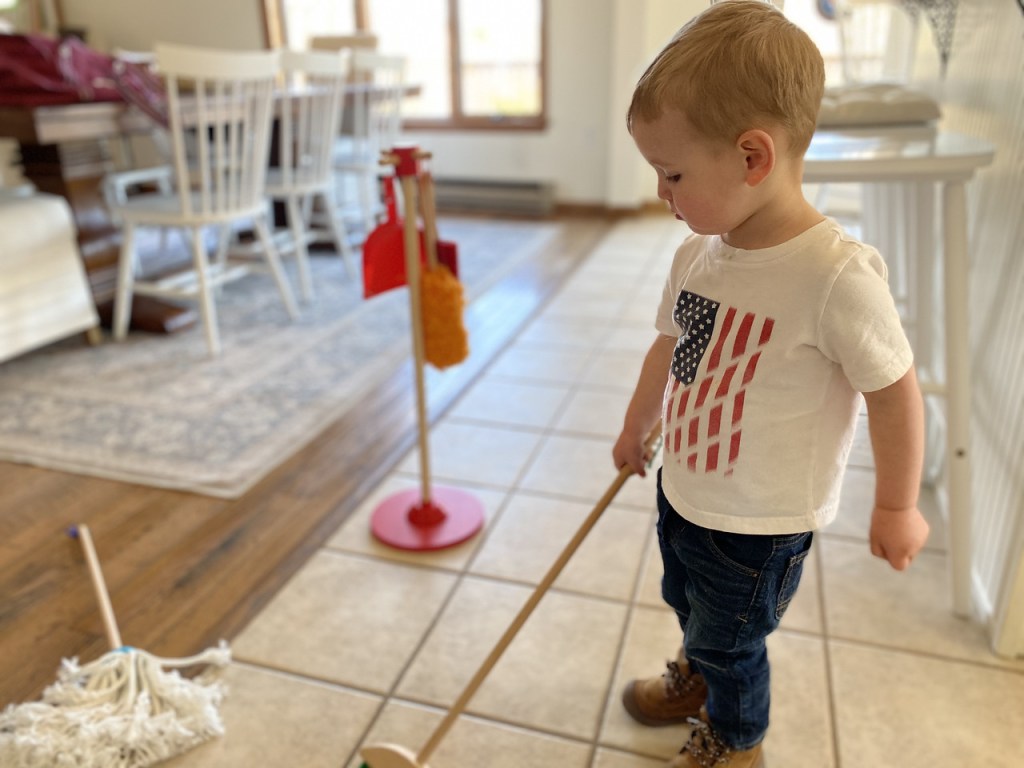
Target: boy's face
column 703, row 183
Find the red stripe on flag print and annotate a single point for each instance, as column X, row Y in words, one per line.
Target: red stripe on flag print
column 734, row 449
column 716, row 353
column 683, row 399
column 726, row 382
column 711, row 417
column 715, row 421
column 712, row 462
column 702, row 393
column 737, row 408
column 739, row 346
column 748, row 372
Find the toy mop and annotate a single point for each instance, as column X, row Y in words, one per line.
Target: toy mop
column 120, row 711
column 396, row 756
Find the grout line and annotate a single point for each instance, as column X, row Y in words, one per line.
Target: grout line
column 931, row 656
column 638, row 580
column 827, row 650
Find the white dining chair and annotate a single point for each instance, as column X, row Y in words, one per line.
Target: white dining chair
column 375, row 99
column 220, row 106
column 309, row 115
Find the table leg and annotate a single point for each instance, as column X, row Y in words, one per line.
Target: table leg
column 958, row 393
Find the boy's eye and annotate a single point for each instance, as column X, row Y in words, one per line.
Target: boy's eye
column 673, row 178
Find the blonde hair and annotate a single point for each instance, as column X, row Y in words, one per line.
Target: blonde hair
column 740, row 64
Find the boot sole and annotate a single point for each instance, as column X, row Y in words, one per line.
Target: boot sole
column 629, row 703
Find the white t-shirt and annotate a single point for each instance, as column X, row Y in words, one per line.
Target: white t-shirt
column 762, row 399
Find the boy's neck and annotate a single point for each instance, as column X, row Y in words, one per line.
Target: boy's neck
column 784, row 214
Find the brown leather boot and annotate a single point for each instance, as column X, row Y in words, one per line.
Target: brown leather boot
column 673, row 698
column 705, row 749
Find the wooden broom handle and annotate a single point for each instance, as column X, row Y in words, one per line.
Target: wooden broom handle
column 100, row 587
column 428, row 206
column 524, row 613
column 412, row 277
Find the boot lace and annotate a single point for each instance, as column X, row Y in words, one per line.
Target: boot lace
column 706, row 748
column 679, row 683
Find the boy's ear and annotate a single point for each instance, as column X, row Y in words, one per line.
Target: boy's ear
column 758, row 150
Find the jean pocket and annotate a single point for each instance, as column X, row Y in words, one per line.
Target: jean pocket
column 744, row 554
column 790, row 581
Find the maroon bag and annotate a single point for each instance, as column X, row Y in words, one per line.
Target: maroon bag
column 37, row 70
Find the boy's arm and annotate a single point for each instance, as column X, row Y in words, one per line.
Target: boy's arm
column 645, row 406
column 896, row 424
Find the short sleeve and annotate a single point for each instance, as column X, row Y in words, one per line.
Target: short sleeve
column 860, row 327
column 664, row 321
column 685, row 255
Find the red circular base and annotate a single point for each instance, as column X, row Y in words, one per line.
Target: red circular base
column 450, row 517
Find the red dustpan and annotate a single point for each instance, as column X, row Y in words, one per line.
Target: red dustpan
column 384, row 250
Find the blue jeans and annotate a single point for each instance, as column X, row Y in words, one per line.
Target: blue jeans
column 729, row 591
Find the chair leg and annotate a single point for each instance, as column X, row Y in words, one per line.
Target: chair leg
column 125, row 283
column 270, row 254
column 367, row 184
column 298, row 230
column 224, row 240
column 339, row 232
column 206, row 305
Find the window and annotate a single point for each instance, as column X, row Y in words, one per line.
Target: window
column 479, row 63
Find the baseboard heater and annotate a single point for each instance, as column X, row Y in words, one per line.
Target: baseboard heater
column 523, row 198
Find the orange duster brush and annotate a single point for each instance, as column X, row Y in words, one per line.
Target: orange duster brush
column 445, row 341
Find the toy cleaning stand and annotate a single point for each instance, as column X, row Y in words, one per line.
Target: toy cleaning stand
column 433, row 517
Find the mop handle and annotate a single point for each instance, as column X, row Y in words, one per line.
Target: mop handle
column 100, row 587
column 524, row 612
column 428, row 206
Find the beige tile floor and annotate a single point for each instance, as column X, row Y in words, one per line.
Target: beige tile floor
column 367, row 643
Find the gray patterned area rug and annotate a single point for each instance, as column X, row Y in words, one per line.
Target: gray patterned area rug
column 156, row 410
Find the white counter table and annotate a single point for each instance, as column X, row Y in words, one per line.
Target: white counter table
column 916, row 160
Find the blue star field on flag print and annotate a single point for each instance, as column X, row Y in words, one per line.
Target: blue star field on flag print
column 703, row 417
column 696, row 316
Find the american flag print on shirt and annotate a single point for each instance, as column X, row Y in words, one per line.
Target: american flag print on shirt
column 704, row 406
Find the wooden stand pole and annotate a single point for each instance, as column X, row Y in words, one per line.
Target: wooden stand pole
column 412, row 276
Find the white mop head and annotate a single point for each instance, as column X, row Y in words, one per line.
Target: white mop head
column 121, row 711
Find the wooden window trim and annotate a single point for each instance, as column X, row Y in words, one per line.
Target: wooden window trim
column 535, row 123
column 275, row 33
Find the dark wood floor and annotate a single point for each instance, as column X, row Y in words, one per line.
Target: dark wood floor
column 185, row 570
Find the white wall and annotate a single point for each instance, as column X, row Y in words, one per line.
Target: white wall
column 596, row 51
column 137, row 24
column 572, row 152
